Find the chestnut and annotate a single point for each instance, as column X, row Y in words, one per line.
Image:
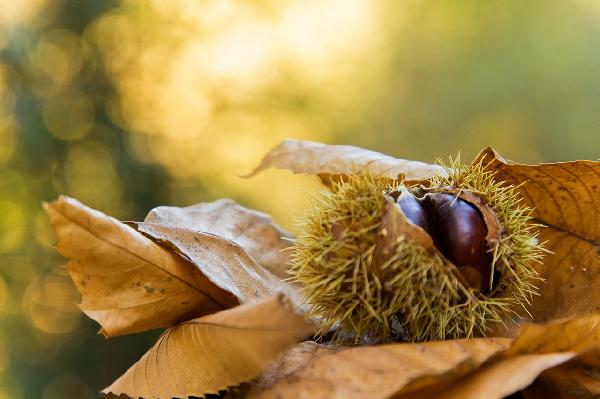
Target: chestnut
column 413, row 210
column 460, row 233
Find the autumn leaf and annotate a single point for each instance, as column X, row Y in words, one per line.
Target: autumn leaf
column 214, row 352
column 566, row 199
column 537, row 348
column 239, row 250
column 328, row 161
column 127, row 282
column 254, row 231
column 472, row 368
column 314, row 371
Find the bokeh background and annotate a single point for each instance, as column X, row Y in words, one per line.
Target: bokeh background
column 130, row 104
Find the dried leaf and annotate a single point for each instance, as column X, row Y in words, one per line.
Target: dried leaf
column 565, row 383
column 127, row 282
column 237, row 249
column 288, row 363
column 214, row 352
column 473, row 368
column 578, row 378
column 254, row 231
column 566, row 198
column 495, row 380
column 537, row 348
column 367, row 372
column 578, row 334
column 333, row 160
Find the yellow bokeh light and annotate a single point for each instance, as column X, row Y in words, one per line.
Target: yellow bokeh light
column 43, row 231
column 214, row 93
column 16, row 12
column 49, row 303
column 10, row 391
column 12, row 226
column 13, row 186
column 20, row 269
column 57, row 57
column 91, row 175
column 69, row 117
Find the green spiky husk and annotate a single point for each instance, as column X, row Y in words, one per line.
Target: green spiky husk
column 421, row 298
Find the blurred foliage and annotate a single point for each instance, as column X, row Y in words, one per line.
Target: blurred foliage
column 128, row 105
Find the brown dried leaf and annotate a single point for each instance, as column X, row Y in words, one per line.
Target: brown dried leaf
column 473, row 368
column 127, row 282
column 368, row 372
column 254, row 231
column 493, row 381
column 238, row 249
column 566, row 198
column 309, row 157
column 214, row 352
column 537, row 348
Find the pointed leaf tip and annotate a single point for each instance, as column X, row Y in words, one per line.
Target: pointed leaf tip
column 308, row 157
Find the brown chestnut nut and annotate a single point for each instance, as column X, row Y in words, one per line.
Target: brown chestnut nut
column 413, row 210
column 460, row 233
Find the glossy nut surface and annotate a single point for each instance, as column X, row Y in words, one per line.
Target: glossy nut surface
column 460, row 233
column 413, row 210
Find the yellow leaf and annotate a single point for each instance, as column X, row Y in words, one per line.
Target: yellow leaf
column 368, row 372
column 240, row 250
column 254, row 231
column 467, row 369
column 566, row 198
column 536, row 349
column 309, row 157
column 214, row 352
column 127, row 282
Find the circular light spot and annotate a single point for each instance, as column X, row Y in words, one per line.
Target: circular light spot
column 50, row 306
column 91, row 175
column 12, row 226
column 19, row 269
column 69, row 117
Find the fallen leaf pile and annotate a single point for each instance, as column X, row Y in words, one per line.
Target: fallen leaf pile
column 214, row 275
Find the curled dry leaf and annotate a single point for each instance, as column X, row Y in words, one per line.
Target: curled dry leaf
column 473, row 368
column 253, row 231
column 127, row 282
column 537, row 348
column 368, row 372
column 329, row 161
column 214, row 352
column 566, row 198
column 239, row 250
